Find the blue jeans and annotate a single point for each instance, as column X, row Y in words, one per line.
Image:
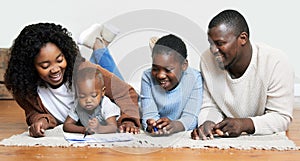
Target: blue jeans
column 103, row 58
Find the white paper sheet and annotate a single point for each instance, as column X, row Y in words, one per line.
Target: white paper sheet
column 98, row 138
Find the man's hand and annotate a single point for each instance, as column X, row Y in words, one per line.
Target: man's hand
column 234, row 127
column 205, row 131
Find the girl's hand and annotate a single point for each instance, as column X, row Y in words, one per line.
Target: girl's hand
column 173, row 127
column 151, row 126
column 163, row 122
column 164, row 126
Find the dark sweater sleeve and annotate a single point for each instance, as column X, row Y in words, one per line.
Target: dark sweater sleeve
column 35, row 110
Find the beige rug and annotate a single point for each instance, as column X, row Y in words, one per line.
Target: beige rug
column 56, row 138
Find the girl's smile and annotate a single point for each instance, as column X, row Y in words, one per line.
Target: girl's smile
column 167, row 69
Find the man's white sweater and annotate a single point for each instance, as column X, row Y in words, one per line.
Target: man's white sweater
column 263, row 93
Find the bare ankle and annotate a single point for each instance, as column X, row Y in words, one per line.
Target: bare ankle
column 106, row 43
column 99, row 44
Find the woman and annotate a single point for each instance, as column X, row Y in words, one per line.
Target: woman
column 39, row 75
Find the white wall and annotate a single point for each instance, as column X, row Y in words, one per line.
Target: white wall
column 273, row 22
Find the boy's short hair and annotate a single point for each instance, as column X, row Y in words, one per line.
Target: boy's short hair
column 89, row 73
column 170, row 43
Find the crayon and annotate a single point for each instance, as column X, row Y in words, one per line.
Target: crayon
column 85, row 134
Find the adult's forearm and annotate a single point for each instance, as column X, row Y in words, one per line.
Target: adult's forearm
column 270, row 123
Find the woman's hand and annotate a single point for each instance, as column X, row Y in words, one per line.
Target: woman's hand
column 37, row 129
column 129, row 127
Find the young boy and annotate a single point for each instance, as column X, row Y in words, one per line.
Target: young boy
column 171, row 92
column 93, row 110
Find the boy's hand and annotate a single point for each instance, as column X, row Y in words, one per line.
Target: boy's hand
column 93, row 125
column 89, row 131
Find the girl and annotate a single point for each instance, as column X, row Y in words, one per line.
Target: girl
column 171, row 93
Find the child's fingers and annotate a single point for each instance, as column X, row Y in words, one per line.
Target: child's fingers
column 151, row 122
column 162, row 124
column 93, row 120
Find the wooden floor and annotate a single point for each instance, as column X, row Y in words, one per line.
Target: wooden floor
column 12, row 121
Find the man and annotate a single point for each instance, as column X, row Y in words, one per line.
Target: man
column 247, row 87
